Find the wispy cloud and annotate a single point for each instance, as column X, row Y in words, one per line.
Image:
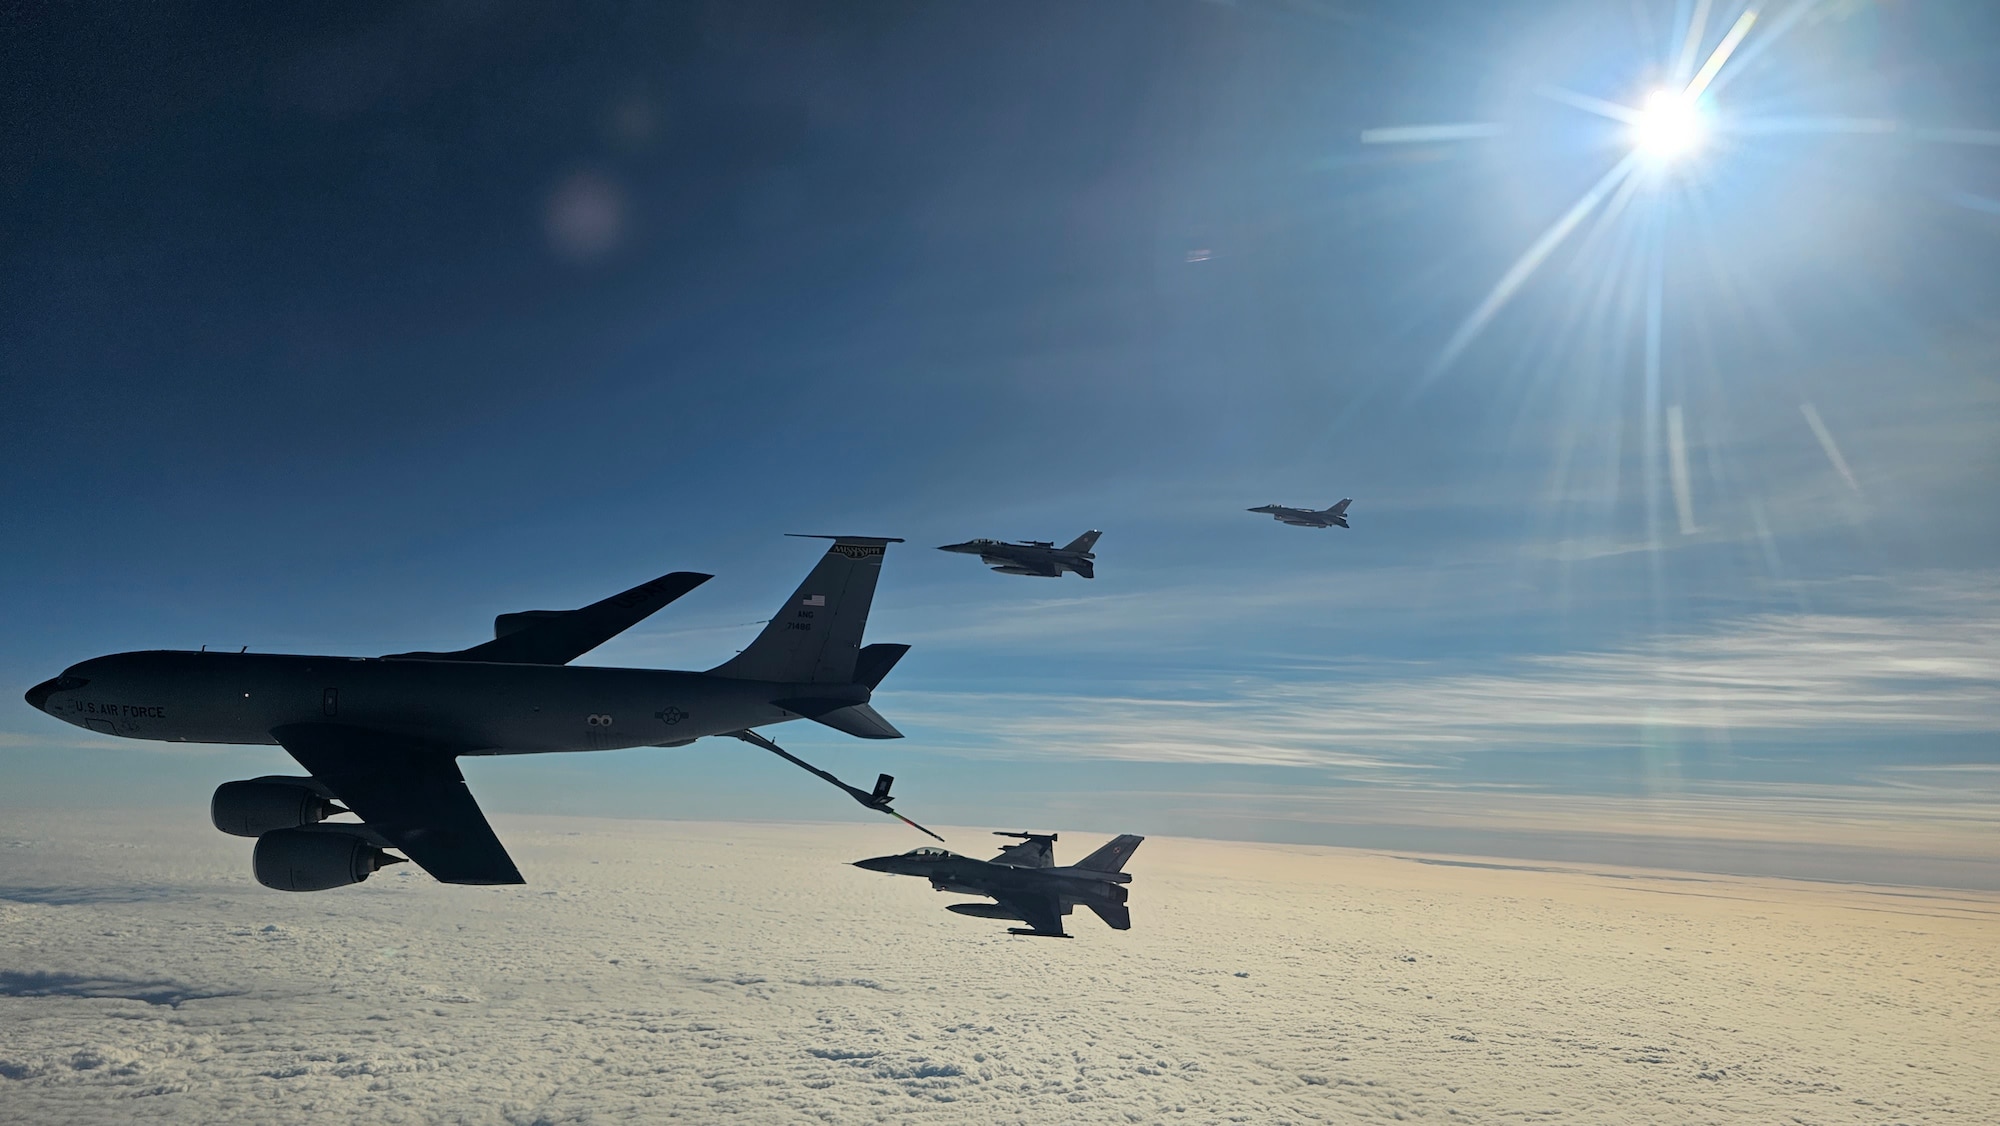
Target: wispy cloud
column 1934, row 668
column 1182, row 613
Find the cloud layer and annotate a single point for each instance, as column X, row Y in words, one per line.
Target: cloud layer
column 655, row 970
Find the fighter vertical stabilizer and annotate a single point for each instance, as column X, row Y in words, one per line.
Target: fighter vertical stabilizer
column 1112, row 857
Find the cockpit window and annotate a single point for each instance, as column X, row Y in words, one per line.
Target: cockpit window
column 928, row 852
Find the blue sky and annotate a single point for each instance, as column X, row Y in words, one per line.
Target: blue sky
column 346, row 330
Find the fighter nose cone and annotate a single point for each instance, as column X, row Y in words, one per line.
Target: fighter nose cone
column 874, row 864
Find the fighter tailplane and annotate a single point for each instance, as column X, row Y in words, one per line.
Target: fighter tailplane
column 1117, row 916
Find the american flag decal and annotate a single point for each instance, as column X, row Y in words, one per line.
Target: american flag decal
column 815, row 600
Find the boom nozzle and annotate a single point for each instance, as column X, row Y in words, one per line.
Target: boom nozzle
column 877, row 800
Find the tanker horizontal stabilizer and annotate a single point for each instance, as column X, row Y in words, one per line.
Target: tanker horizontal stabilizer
column 860, row 721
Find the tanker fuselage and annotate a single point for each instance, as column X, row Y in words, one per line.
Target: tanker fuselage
column 470, row 707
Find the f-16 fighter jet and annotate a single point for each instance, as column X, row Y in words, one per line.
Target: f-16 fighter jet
column 1308, row 517
column 1034, row 557
column 1024, row 881
column 380, row 736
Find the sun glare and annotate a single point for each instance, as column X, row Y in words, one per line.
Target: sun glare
column 1668, row 126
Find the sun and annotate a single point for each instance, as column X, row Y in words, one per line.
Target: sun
column 1665, row 137
column 1668, row 127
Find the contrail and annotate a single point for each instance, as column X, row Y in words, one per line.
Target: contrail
column 1677, row 455
column 1827, row 443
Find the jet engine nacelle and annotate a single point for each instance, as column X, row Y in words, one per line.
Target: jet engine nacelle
column 315, row 860
column 983, row 910
column 253, row 808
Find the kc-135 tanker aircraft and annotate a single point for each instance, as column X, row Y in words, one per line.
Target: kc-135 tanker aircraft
column 380, row 736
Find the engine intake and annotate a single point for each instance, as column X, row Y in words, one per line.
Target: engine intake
column 256, row 807
column 315, row 859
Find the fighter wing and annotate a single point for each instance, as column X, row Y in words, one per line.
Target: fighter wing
column 414, row 796
column 1035, row 852
column 1042, row 913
